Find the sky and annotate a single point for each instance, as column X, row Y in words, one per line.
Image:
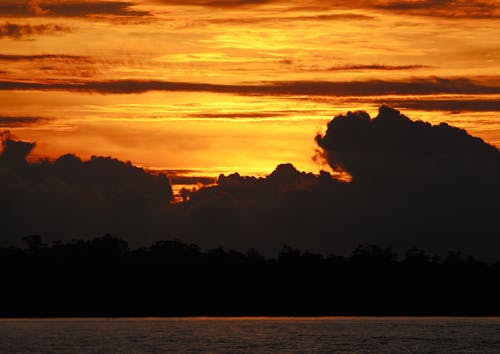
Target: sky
column 203, row 87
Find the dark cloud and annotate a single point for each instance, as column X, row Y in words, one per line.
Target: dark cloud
column 418, row 183
column 358, row 67
column 216, row 3
column 69, row 198
column 274, row 19
column 18, row 31
column 424, row 86
column 75, row 67
column 82, row 8
column 369, row 147
column 453, row 105
column 72, row 71
column 413, row 183
column 11, row 122
column 475, row 9
column 332, row 17
column 44, row 57
column 247, row 212
column 236, row 115
column 186, row 177
column 478, row 9
column 14, row 152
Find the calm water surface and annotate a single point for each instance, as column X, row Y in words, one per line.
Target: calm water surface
column 257, row 335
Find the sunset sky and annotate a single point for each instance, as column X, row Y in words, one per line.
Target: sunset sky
column 202, row 87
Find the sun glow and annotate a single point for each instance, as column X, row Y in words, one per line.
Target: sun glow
column 211, row 43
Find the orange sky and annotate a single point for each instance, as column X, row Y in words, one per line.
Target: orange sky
column 211, row 86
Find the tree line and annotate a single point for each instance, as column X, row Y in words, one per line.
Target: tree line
column 104, row 277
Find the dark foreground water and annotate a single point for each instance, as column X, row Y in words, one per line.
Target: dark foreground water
column 256, row 335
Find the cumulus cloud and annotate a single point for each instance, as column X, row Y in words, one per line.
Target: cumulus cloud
column 413, row 183
column 70, row 198
column 245, row 212
column 365, row 146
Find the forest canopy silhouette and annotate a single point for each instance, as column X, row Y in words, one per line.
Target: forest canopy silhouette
column 104, row 277
column 413, row 183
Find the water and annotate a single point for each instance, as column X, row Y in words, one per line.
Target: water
column 256, row 335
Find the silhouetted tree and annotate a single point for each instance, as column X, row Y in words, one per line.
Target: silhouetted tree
column 104, row 277
column 34, row 242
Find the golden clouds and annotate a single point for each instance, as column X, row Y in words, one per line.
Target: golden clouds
column 229, row 85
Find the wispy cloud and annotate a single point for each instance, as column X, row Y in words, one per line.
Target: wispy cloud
column 288, row 18
column 14, row 122
column 359, row 67
column 23, row 31
column 188, row 177
column 454, row 105
column 237, row 115
column 216, row 3
column 39, row 57
column 478, row 9
column 81, row 8
column 444, row 8
column 418, row 86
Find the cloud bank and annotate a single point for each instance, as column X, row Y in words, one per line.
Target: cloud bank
column 474, row 9
column 70, row 197
column 413, row 183
column 23, row 31
column 43, row 57
column 71, row 8
column 417, row 86
column 10, row 122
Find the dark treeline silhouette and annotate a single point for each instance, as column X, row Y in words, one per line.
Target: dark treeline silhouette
column 104, row 277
